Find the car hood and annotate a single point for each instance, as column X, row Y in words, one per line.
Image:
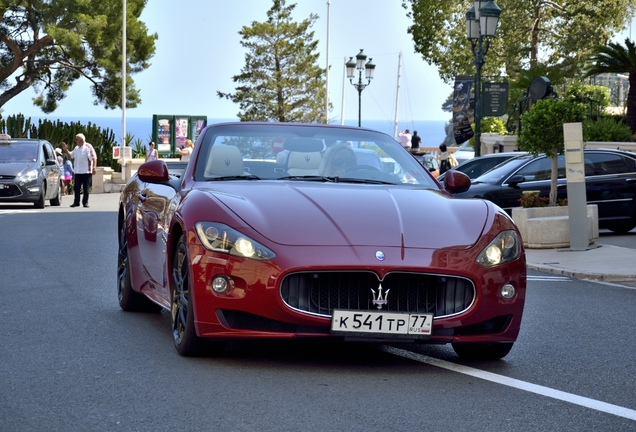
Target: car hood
column 340, row 214
column 14, row 169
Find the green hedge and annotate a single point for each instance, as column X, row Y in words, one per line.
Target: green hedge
column 55, row 132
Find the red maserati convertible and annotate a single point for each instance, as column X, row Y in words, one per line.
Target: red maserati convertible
column 276, row 230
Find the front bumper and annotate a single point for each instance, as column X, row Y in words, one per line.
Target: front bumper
column 260, row 307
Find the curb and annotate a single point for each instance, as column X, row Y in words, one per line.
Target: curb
column 604, row 277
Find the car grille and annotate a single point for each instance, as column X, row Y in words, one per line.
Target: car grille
column 9, row 190
column 321, row 292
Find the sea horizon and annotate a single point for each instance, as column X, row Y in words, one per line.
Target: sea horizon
column 432, row 132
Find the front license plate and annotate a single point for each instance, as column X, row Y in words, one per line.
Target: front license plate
column 381, row 323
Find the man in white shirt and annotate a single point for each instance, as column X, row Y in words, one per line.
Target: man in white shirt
column 84, row 163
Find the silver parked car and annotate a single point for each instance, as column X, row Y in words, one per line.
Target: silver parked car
column 29, row 172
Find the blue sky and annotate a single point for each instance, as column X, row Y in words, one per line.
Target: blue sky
column 199, row 51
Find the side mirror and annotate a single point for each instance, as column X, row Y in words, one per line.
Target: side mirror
column 456, row 181
column 155, row 171
column 50, row 162
column 516, row 179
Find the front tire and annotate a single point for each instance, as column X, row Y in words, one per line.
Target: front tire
column 129, row 299
column 622, row 228
column 58, row 197
column 40, row 202
column 485, row 351
column 184, row 335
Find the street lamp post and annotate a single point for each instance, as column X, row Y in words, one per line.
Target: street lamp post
column 481, row 24
column 360, row 65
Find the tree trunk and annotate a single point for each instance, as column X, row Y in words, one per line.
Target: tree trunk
column 553, row 178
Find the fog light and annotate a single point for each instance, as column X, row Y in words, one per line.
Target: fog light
column 508, row 291
column 222, row 284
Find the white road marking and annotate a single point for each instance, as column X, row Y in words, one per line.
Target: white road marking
column 549, row 278
column 515, row 383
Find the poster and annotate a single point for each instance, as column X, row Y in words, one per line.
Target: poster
column 116, row 152
column 181, row 131
column 462, row 111
column 197, row 127
column 163, row 135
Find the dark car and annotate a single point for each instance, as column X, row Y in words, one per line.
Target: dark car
column 321, row 244
column 475, row 167
column 610, row 179
column 29, row 172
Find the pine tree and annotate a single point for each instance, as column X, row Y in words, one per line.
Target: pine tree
column 281, row 80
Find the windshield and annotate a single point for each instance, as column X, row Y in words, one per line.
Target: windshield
column 18, row 152
column 257, row 151
column 502, row 170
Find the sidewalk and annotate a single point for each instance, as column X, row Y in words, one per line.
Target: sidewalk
column 604, row 263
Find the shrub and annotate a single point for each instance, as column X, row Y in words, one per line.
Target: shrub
column 606, row 129
column 491, row 124
column 542, row 131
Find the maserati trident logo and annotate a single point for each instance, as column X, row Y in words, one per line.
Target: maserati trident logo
column 378, row 299
column 227, row 162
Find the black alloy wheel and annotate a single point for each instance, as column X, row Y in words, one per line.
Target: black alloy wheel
column 184, row 336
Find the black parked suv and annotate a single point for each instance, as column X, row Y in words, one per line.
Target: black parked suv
column 610, row 182
column 29, row 172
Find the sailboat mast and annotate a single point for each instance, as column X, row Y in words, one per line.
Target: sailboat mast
column 344, row 87
column 397, row 96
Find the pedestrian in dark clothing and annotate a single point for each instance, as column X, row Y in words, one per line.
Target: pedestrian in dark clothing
column 415, row 141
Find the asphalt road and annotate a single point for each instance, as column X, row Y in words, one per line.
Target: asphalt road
column 71, row 360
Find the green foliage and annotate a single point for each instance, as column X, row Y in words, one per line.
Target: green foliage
column 490, row 125
column 606, row 128
column 615, row 58
column 542, row 131
column 281, row 80
column 57, row 132
column 47, row 45
column 598, row 95
column 558, row 34
column 534, row 38
column 137, row 146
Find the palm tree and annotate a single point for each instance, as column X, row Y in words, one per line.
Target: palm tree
column 615, row 58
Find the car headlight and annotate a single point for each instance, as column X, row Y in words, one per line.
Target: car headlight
column 218, row 237
column 28, row 176
column 505, row 247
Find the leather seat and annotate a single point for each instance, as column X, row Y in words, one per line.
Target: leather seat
column 225, row 160
column 301, row 163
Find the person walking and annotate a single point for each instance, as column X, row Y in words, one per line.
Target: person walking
column 83, row 158
column 151, row 153
column 446, row 159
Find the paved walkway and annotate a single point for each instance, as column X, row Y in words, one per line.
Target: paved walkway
column 605, row 262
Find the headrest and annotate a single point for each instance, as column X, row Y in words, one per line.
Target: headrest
column 225, row 160
column 304, row 160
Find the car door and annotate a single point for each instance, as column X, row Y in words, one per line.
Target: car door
column 51, row 171
column 611, row 185
column 153, row 211
column 533, row 176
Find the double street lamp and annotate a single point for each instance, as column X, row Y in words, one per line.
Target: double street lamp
column 481, row 24
column 360, row 65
